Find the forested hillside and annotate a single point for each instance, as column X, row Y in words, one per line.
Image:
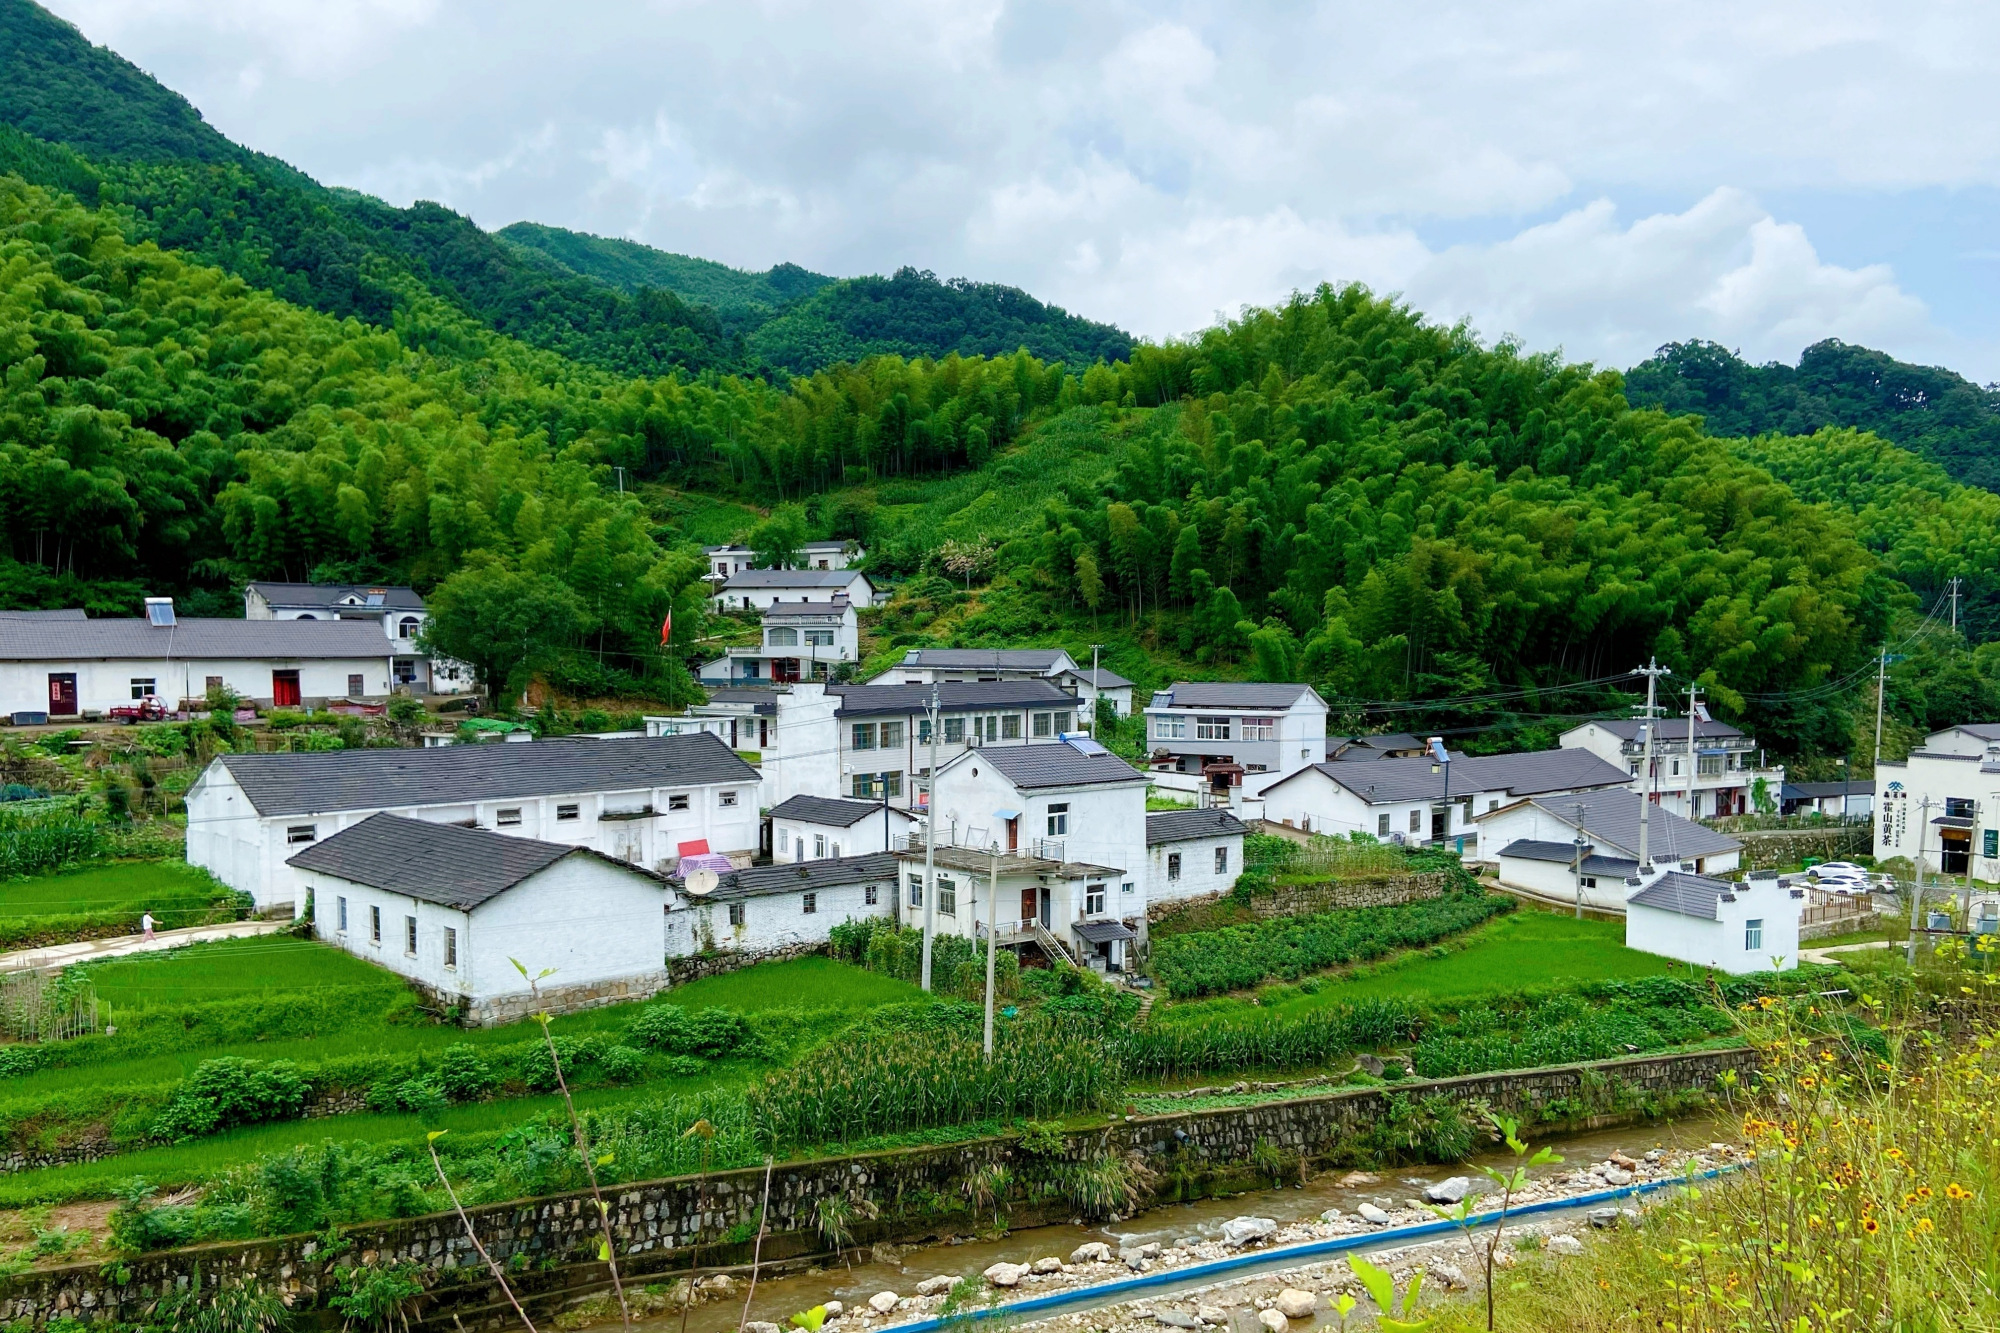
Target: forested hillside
column 741, row 299
column 1930, row 410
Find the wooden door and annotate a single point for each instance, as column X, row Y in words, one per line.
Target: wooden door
column 1029, row 902
column 285, row 689
column 1014, row 834
column 62, row 693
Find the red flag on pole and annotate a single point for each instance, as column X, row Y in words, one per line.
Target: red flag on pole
column 667, row 629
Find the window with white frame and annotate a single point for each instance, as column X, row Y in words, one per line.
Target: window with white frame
column 410, row 936
column 677, row 801
column 726, row 800
column 299, row 833
column 567, row 812
column 808, row 904
column 923, row 731
column 406, row 628
column 374, row 925
column 1260, row 728
column 736, row 916
column 1173, row 865
column 1059, row 820
column 508, row 817
column 916, row 890
column 1222, row 860
column 1093, row 900
column 1042, row 724
column 1211, row 728
column 819, row 638
column 954, row 730
column 892, row 735
column 864, row 736
column 781, row 636
column 1128, row 887
column 342, row 916
column 819, row 846
column 1010, row 727
column 1382, row 825
column 1170, row 728
column 451, row 947
column 869, row 895
column 143, row 686
column 1753, row 934
column 1708, row 766
column 1416, row 821
column 947, row 896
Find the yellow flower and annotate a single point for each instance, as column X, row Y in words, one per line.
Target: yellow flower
column 1924, row 1225
column 1956, row 1191
column 1894, row 1154
column 1870, row 1225
column 1923, row 1191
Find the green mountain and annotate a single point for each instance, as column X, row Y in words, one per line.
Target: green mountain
column 1929, row 410
column 739, row 297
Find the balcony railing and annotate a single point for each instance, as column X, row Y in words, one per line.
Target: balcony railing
column 973, row 840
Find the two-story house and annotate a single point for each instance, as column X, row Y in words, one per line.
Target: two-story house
column 725, row 561
column 1940, row 807
column 883, row 733
column 760, row 589
column 1715, row 778
column 400, row 612
column 800, row 641
column 1239, row 734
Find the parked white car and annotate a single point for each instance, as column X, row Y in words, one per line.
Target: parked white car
column 1837, row 870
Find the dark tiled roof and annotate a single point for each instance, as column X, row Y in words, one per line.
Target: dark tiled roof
column 1612, row 818
column 1815, row 790
column 1985, row 731
column 1689, row 895
column 1528, row 849
column 69, row 613
column 835, row 607
column 438, row 863
column 1627, row 728
column 1058, row 765
column 1229, row 694
column 1103, row 932
column 954, row 696
column 328, row 595
column 1530, row 773
column 202, row 639
column 1106, row 679
column 997, row 659
column 793, row 578
column 1185, row 825
column 829, row 872
column 828, row 810
column 321, row 782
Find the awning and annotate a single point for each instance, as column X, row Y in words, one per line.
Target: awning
column 1953, row 821
column 1103, row 932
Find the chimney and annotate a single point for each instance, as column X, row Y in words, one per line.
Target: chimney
column 160, row 612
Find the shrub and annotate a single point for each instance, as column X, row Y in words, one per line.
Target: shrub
column 463, row 1076
column 232, row 1091
column 702, row 1032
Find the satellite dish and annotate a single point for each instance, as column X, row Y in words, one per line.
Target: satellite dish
column 702, row 881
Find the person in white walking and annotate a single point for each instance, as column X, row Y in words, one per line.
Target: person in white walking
column 146, row 925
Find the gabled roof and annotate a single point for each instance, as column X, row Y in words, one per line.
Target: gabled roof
column 954, row 696
column 837, row 606
column 804, row 877
column 1689, row 895
column 202, row 639
column 1530, row 773
column 68, row 613
column 1529, row 849
column 831, row 811
column 446, row 864
column 328, row 596
column 1103, row 678
column 1985, row 731
column 1059, row 765
column 794, row 578
column 1816, row 790
column 1611, row 820
column 993, row 659
column 326, row 781
column 1665, row 729
column 1187, row 825
column 1229, row 694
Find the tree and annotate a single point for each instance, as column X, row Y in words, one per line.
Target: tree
column 777, row 541
column 1089, row 583
column 501, row 621
column 963, row 559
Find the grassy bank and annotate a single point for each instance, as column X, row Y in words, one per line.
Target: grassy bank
column 108, row 899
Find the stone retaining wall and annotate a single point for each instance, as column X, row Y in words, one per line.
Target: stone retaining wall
column 680, row 971
column 553, row 1240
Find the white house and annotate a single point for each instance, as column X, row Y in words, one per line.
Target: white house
column 1751, row 926
column 453, row 909
column 883, row 732
column 1063, row 824
column 647, row 801
column 400, row 612
column 789, row 729
column 800, row 641
column 1940, row 807
column 759, row 588
column 724, row 561
column 78, row 667
column 1090, row 684
column 1417, row 800
column 759, row 910
column 1720, row 770
column 1534, row 844
column 1853, row 798
column 1192, row 854
column 922, row 666
column 1248, row 735
column 814, row 828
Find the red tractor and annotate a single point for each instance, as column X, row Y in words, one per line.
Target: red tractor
column 148, row 709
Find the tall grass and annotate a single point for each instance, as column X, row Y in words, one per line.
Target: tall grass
column 1193, row 1048
column 35, row 842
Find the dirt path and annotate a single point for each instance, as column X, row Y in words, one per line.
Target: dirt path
column 1827, row 955
column 85, row 951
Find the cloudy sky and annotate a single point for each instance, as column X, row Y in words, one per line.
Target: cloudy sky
column 1596, row 177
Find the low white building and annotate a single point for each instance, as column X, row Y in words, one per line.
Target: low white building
column 1718, row 774
column 833, row 553
column 923, row 666
column 814, row 828
column 71, row 667
column 1239, row 734
column 399, row 611
column 801, row 641
column 1192, row 854
column 1853, row 798
column 777, row 909
column 646, row 801
column 1388, row 745
column 1534, row 845
column 1419, row 800
column 1089, row 684
column 1940, row 807
column 453, row 909
column 759, row 588
column 1751, row 926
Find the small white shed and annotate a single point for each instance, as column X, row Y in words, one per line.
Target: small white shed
column 1192, row 853
column 452, row 909
column 1750, row 926
column 812, row 828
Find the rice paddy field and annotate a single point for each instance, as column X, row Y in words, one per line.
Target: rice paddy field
column 176, row 893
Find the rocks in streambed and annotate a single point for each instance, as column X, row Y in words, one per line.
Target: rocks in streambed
column 1355, row 1179
column 833, row 1309
column 1295, row 1304
column 1604, row 1219
column 1372, row 1215
column 1211, row 1314
column 883, row 1301
column 1091, row 1252
column 1176, row 1319
column 935, row 1286
column 760, row 1326
column 1048, row 1264
column 1244, row 1230
column 1006, row 1275
column 1449, row 1191
column 1273, row 1320
column 1563, row 1245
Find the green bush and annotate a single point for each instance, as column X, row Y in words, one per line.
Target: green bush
column 701, row 1032
column 232, row 1091
column 1168, row 1048
column 463, row 1076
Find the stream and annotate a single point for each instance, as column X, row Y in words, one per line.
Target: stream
column 778, row 1298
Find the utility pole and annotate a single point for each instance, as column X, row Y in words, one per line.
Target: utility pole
column 1652, row 671
column 1694, row 707
column 1881, row 679
column 1917, row 889
column 1096, row 690
column 1955, row 581
column 930, row 840
column 1576, row 862
column 992, row 933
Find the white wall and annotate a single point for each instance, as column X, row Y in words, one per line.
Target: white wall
column 1527, row 820
column 793, row 839
column 1902, row 828
column 1106, row 824
column 589, row 921
column 1197, row 875
column 101, row 685
column 776, row 920
column 857, row 592
column 1721, row 944
column 1315, row 802
column 1555, row 881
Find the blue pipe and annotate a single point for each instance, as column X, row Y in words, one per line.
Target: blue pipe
column 1285, row 1257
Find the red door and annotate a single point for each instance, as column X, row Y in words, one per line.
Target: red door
column 1014, row 834
column 62, row 693
column 1028, row 904
column 285, row 689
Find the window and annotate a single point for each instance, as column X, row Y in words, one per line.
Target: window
column 1416, row 821
column 1093, row 900
column 1170, row 728
column 923, row 731
column 342, row 915
column 892, row 735
column 1173, row 865
column 954, row 730
column 1059, row 820
column 808, row 904
column 1590, row 881
column 677, row 801
column 1753, row 934
column 1959, row 807
column 1062, row 721
column 1677, row 768
column 781, row 637
column 1211, row 728
column 299, row 833
column 406, row 672
column 947, row 896
column 1128, row 887
column 507, row 818
column 143, row 686
column 1708, row 765
column 1382, row 825
column 819, row 638
column 1222, row 860
column 1635, row 768
column 410, row 936
column 892, row 783
column 727, row 800
column 1043, row 724
column 567, row 812
column 451, row 947
column 864, row 735
column 1493, row 803
column 819, row 846
column 784, row 840
column 214, row 682
column 406, row 628
column 736, row 915
column 375, row 925
column 1260, row 728
column 868, row 895
column 861, row 786
column 916, row 890
column 1010, row 727
column 356, row 685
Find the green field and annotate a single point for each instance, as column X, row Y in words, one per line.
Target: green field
column 233, row 970
column 174, row 892
column 804, row 983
